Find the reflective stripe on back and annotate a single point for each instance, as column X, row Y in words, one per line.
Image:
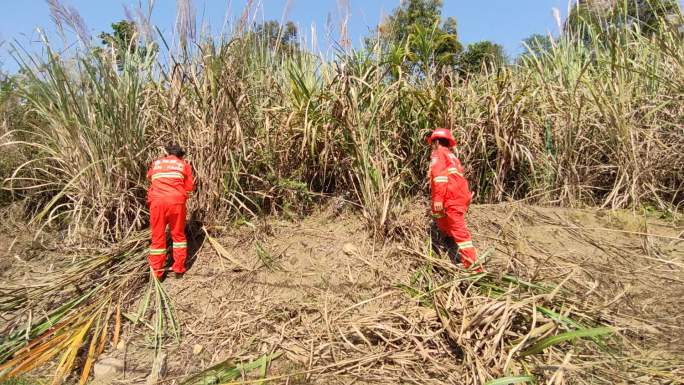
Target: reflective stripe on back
column 171, row 175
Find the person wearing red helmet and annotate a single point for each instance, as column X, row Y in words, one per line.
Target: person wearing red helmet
column 171, row 181
column 450, row 194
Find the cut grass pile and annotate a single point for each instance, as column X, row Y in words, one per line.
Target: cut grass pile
column 579, row 314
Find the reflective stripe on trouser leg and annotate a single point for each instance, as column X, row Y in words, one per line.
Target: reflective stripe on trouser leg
column 467, row 252
column 157, row 259
column 176, row 218
column 179, row 257
column 465, row 245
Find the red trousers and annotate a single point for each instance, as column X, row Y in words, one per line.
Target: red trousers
column 173, row 215
column 453, row 225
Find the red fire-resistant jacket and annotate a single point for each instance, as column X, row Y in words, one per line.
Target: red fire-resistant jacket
column 171, row 180
column 447, row 181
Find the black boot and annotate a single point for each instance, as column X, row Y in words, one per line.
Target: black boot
column 442, row 244
column 452, row 251
column 437, row 240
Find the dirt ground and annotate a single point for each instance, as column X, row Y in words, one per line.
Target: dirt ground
column 325, row 293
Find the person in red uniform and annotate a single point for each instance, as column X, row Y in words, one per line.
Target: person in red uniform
column 171, row 182
column 450, row 194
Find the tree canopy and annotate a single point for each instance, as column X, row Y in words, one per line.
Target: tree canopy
column 424, row 13
column 123, row 39
column 536, row 44
column 417, row 28
column 122, row 35
column 479, row 55
column 284, row 38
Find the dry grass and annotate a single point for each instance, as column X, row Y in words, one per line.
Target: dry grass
column 569, row 297
column 377, row 314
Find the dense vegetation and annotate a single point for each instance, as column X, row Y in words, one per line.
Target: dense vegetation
column 595, row 117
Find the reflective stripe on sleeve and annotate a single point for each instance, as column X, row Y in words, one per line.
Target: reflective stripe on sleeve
column 454, row 170
column 441, row 179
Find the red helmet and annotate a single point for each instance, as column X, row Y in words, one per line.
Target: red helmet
column 444, row 134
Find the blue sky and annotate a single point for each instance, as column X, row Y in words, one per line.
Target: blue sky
column 506, row 22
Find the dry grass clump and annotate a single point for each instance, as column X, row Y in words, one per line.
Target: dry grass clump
column 543, row 312
column 401, row 312
column 75, row 313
